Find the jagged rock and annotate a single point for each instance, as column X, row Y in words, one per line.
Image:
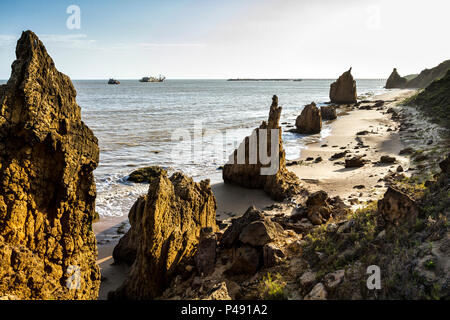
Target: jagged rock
column 397, row 207
column 258, row 233
column 272, row 255
column 246, row 260
column 205, row 257
column 354, row 162
column 328, row 112
column 319, row 207
column 317, row 293
column 344, row 89
column 47, row 190
column 445, row 164
column 338, row 155
column 231, row 234
column 310, row 120
column 387, row 159
column 395, row 81
column 172, row 215
column 248, row 171
column 126, row 249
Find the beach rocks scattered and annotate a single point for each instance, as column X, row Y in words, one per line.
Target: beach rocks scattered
column 343, row 91
column 245, row 167
column 310, row 120
column 47, row 187
column 395, row 81
column 397, row 207
column 328, row 112
column 172, row 215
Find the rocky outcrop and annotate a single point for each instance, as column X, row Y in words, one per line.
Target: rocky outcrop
column 355, row 162
column 47, row 191
column 395, row 81
column 246, row 169
column 397, row 207
column 344, row 89
column 310, row 120
column 253, row 239
column 165, row 230
column 328, row 112
column 427, row 76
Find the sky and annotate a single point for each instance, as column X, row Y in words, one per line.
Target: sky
column 217, row 39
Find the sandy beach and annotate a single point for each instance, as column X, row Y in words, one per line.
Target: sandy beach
column 382, row 138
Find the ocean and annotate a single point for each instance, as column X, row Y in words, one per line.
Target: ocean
column 187, row 125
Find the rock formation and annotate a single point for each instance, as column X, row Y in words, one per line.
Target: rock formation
column 395, row 81
column 328, row 112
column 165, row 231
column 344, row 89
column 252, row 239
column 248, row 172
column 397, row 207
column 310, row 120
column 47, row 193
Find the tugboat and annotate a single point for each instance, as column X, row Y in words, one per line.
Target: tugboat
column 113, row 81
column 153, row 79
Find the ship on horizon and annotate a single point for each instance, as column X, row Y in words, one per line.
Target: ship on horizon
column 153, row 79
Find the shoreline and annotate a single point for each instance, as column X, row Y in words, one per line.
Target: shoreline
column 327, row 175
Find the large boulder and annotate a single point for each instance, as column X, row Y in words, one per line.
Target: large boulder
column 47, row 191
column 344, row 89
column 310, row 120
column 328, row 112
column 166, row 233
column 395, row 81
column 246, row 169
column 397, row 207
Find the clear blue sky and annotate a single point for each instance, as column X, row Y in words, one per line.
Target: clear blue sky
column 232, row 38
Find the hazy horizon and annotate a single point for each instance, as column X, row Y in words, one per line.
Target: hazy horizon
column 200, row 39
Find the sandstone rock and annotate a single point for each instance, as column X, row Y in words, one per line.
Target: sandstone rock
column 397, row 207
column 395, row 81
column 328, row 112
column 344, row 89
column 246, row 260
column 205, row 257
column 172, row 215
column 310, row 120
column 317, row 293
column 354, row 162
column 272, row 255
column 258, row 233
column 318, row 208
column 278, row 184
column 231, row 235
column 47, row 191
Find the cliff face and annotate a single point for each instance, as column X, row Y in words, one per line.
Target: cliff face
column 343, row 90
column 47, row 191
column 434, row 100
column 164, row 234
column 279, row 185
